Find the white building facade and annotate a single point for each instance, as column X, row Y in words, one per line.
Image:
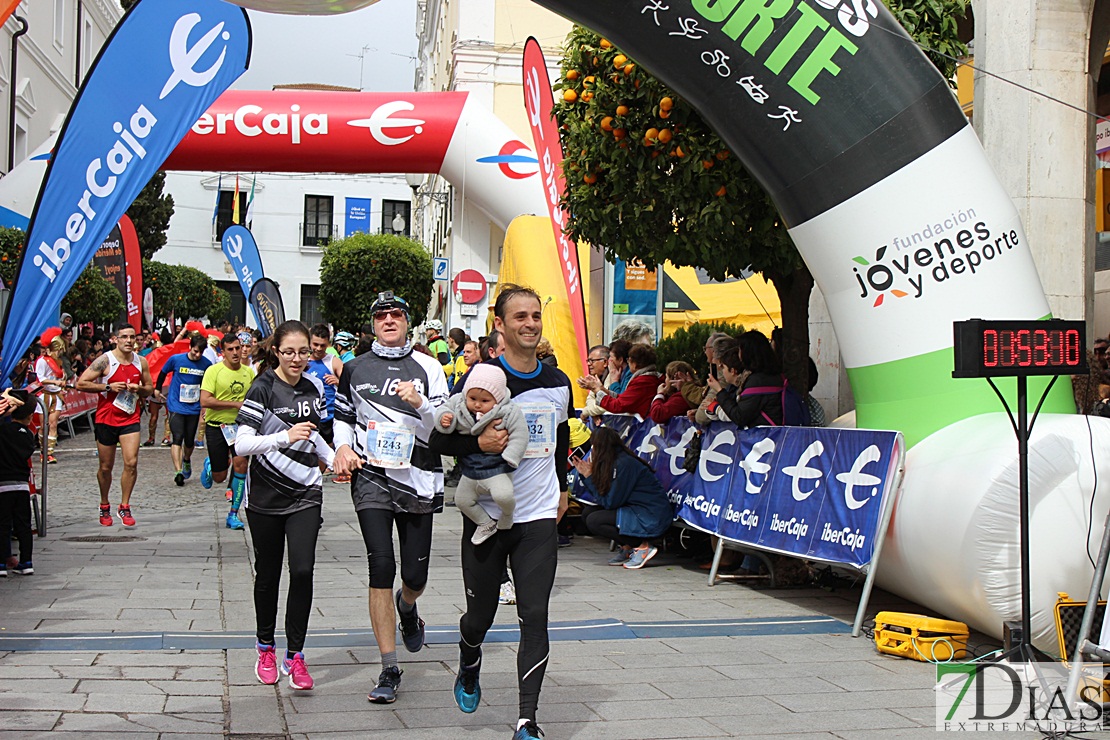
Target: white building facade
column 477, row 47
column 291, row 217
column 55, row 42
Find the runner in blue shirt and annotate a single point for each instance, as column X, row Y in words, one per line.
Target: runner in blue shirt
column 183, row 403
column 327, row 369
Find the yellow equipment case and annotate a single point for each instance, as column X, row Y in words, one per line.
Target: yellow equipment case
column 918, row 637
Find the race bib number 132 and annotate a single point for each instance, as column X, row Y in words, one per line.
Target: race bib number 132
column 540, row 418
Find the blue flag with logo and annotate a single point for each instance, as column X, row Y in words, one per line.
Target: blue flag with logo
column 241, row 251
column 165, row 63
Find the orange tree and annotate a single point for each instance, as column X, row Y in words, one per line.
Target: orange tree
column 648, row 179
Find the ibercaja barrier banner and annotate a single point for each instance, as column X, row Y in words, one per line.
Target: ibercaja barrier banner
column 265, row 301
column 164, row 64
column 241, row 251
column 808, row 492
column 539, row 104
column 875, row 170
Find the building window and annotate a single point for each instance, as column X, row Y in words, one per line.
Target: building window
column 317, row 220
column 396, row 217
column 237, row 314
column 310, row 305
column 59, row 22
column 226, row 209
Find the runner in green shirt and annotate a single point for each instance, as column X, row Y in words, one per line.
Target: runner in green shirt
column 222, row 391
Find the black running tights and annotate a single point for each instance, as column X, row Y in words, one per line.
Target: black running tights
column 269, row 533
column 603, row 523
column 530, row 548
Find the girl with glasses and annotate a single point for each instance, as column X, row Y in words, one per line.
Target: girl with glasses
column 277, row 430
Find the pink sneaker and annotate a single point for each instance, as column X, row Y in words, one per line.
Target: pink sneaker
column 297, row 671
column 266, row 669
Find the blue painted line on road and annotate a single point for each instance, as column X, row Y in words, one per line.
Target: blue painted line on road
column 583, row 630
column 740, row 627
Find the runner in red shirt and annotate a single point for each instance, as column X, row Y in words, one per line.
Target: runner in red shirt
column 121, row 377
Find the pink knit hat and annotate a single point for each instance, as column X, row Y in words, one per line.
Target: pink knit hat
column 487, row 377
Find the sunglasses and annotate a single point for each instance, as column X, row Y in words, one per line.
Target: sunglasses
column 396, row 314
column 1100, row 350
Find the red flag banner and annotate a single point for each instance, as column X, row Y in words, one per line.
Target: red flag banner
column 7, row 7
column 133, row 268
column 539, row 103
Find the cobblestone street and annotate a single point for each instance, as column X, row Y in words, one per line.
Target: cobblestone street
column 151, row 634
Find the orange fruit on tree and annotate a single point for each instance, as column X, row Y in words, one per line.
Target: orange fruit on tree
column 628, row 68
column 722, row 191
column 678, row 152
column 664, row 114
column 655, row 154
column 623, row 145
column 619, row 61
column 652, row 134
column 570, row 96
column 572, row 74
column 665, row 136
column 666, row 103
column 605, row 43
column 589, row 178
column 589, row 80
column 620, row 133
column 707, row 164
column 607, row 123
column 622, row 110
column 595, row 61
column 722, row 155
column 637, row 83
column 587, row 96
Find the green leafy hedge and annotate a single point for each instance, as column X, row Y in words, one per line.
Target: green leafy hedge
column 355, row 269
column 689, row 345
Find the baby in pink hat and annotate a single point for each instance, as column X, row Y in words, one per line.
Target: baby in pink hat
column 486, row 400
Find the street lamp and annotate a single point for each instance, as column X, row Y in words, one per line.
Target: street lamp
column 398, row 224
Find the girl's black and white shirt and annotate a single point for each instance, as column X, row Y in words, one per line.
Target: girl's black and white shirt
column 367, row 391
column 282, row 478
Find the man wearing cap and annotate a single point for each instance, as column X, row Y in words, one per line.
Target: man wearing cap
column 436, row 344
column 384, row 413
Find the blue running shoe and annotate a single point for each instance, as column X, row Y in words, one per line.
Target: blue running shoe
column 200, row 444
column 206, row 473
column 411, row 626
column 468, row 693
column 234, row 522
column 186, row 469
column 528, row 731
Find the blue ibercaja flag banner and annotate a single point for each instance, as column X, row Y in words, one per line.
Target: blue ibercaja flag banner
column 165, row 63
column 268, row 308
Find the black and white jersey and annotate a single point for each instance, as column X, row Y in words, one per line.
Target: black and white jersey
column 282, row 477
column 367, row 392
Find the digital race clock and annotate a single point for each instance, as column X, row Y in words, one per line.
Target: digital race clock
column 986, row 349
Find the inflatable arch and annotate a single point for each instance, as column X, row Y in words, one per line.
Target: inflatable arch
column 891, row 202
column 349, row 132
